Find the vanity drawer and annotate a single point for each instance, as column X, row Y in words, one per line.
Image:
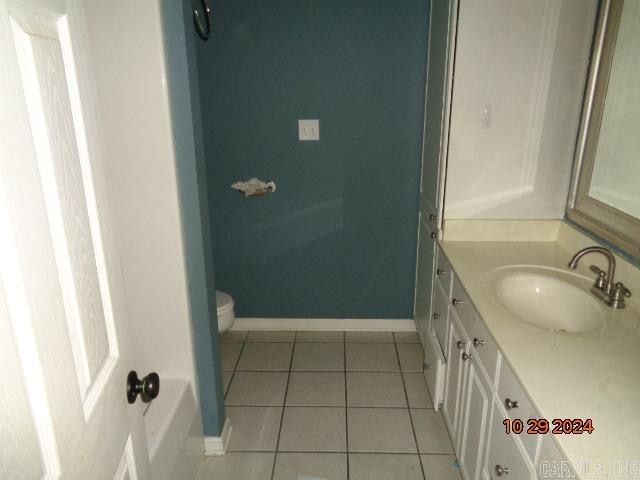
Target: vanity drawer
column 506, row 452
column 461, row 304
column 444, row 272
column 440, row 317
column 485, row 348
column 510, row 392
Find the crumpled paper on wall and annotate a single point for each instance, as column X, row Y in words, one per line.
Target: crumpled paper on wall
column 254, row 187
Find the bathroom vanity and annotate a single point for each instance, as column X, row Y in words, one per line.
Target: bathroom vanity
column 571, row 367
column 535, row 375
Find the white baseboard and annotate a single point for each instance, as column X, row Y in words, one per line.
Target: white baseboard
column 325, row 324
column 215, row 446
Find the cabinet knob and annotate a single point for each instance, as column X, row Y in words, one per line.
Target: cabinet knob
column 456, row 301
column 436, row 316
column 440, row 272
column 426, row 366
column 477, row 342
column 434, row 235
column 433, row 217
column 466, row 356
column 511, row 404
column 460, row 344
column 500, row 470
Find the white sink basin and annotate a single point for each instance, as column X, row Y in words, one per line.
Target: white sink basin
column 548, row 298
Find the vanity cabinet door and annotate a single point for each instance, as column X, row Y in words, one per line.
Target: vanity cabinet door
column 506, row 458
column 456, row 346
column 476, row 408
column 424, row 279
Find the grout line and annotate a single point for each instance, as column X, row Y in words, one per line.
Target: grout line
column 284, row 402
column 343, row 452
column 330, row 371
column 325, row 406
column 346, row 404
column 233, row 372
column 406, row 396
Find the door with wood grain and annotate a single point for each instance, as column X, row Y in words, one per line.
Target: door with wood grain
column 64, row 351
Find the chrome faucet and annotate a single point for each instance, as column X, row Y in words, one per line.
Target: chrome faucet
column 605, row 287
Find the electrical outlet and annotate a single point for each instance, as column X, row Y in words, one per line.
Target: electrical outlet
column 309, row 129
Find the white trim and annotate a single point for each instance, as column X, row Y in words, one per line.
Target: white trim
column 326, row 324
column 215, row 446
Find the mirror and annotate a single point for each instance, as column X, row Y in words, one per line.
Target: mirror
column 605, row 194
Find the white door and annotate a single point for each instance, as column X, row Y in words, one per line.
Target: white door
column 64, row 352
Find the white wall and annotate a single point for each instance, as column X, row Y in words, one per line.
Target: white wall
column 142, row 174
column 527, row 60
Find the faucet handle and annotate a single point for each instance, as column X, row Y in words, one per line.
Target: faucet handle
column 601, row 281
column 620, row 292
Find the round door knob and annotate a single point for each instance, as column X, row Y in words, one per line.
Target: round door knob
column 148, row 387
column 511, row 404
column 433, row 217
column 500, row 470
column 460, row 344
column 440, row 272
column 477, row 342
column 466, row 356
column 456, row 301
column 436, row 316
column 434, row 235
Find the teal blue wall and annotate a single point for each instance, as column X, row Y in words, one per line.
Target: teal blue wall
column 180, row 48
column 338, row 238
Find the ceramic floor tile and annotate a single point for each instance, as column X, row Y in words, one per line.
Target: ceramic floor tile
column 441, row 467
column 312, row 466
column 226, row 378
column 406, row 337
column 368, row 337
column 238, row 466
column 411, row 357
column 229, row 353
column 233, row 336
column 371, row 357
column 382, row 430
column 375, row 389
column 417, row 391
column 254, row 428
column 317, row 429
column 431, row 431
column 257, row 389
column 318, row 357
column 266, row 356
column 271, row 336
column 376, row 466
column 316, row 389
column 334, row 337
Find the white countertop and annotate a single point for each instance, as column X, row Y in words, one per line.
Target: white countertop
column 565, row 375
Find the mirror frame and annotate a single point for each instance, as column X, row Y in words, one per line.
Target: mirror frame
column 614, row 226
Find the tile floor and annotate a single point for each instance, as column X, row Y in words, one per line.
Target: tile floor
column 329, row 406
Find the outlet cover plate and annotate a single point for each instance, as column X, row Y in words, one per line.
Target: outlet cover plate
column 308, row 130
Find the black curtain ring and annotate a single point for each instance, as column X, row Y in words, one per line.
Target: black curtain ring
column 202, row 18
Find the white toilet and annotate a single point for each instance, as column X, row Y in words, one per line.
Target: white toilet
column 226, row 314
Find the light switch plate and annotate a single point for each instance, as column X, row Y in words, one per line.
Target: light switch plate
column 309, row 129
